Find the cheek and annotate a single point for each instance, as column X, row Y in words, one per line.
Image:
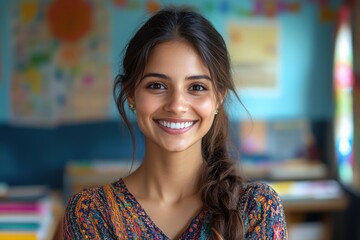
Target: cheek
column 143, row 107
column 143, row 102
column 206, row 107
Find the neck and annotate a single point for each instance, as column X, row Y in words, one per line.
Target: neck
column 170, row 176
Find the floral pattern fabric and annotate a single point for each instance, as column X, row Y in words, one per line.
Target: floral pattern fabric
column 112, row 212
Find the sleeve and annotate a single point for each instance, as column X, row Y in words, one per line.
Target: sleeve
column 264, row 214
column 84, row 220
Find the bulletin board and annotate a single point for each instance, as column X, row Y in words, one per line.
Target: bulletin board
column 254, row 51
column 61, row 67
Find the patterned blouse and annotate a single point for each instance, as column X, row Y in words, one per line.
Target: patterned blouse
column 112, row 212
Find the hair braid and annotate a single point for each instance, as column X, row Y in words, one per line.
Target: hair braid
column 221, row 183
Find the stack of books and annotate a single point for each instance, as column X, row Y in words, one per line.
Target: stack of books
column 26, row 213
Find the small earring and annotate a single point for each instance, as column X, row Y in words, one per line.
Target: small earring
column 216, row 111
column 131, row 106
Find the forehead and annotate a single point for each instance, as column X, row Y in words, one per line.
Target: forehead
column 179, row 54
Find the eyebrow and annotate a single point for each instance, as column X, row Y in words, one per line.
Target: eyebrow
column 164, row 76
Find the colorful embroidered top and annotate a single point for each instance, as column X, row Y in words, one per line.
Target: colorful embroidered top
column 112, row 212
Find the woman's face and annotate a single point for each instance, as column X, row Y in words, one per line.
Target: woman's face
column 175, row 101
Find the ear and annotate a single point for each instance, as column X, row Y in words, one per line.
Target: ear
column 130, row 99
column 221, row 96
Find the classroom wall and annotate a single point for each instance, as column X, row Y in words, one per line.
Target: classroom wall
column 38, row 155
column 306, row 51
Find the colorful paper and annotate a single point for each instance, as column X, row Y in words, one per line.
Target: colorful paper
column 254, row 51
column 61, row 69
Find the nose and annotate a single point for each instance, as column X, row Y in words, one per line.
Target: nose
column 176, row 102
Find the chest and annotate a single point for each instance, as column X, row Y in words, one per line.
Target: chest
column 175, row 219
column 149, row 221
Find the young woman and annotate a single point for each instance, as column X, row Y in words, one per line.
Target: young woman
column 176, row 77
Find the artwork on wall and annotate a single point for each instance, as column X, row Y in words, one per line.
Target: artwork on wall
column 356, row 42
column 247, row 8
column 254, row 52
column 346, row 98
column 61, row 69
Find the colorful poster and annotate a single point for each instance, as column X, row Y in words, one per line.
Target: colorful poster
column 254, row 52
column 356, row 100
column 61, row 69
column 262, row 140
column 343, row 83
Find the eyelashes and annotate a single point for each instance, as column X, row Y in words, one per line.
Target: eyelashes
column 196, row 87
column 156, row 86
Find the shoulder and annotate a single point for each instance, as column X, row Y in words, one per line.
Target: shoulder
column 83, row 203
column 88, row 211
column 86, row 197
column 263, row 212
column 80, row 211
column 98, row 197
column 259, row 192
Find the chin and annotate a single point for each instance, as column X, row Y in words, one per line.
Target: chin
column 176, row 149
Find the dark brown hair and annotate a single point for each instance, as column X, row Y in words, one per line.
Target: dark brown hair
column 220, row 183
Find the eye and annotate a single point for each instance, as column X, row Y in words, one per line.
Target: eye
column 198, row 87
column 156, row 86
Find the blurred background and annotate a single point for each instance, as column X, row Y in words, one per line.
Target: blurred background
column 296, row 66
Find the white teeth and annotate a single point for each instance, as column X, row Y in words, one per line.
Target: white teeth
column 176, row 125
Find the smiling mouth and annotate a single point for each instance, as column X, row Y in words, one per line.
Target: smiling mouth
column 176, row 125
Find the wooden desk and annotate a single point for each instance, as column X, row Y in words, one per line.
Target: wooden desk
column 315, row 205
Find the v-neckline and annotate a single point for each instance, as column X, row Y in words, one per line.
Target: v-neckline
column 192, row 226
